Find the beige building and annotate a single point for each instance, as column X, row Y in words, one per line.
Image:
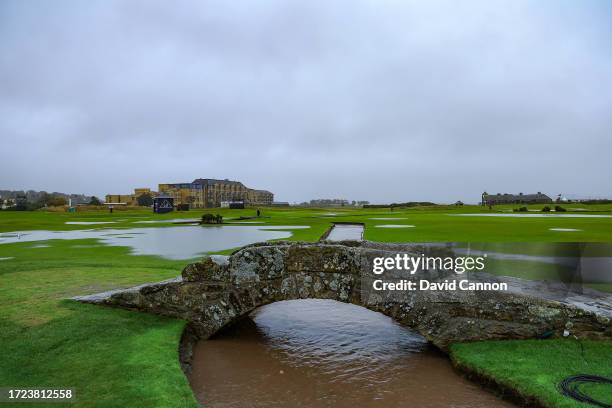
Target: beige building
column 128, row 199
column 207, row 193
column 260, row 197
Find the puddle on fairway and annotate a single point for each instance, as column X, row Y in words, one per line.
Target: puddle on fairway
column 180, row 242
column 41, row 246
column 534, row 215
column 322, row 353
column 165, row 221
column 564, row 229
column 394, row 226
column 567, row 257
column 343, row 232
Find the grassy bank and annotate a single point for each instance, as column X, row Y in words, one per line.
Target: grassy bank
column 534, row 368
column 110, row 357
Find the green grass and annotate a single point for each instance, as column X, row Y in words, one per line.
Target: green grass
column 111, row 357
column 115, row 357
column 535, row 367
column 432, row 224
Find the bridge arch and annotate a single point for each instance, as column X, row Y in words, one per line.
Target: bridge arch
column 215, row 292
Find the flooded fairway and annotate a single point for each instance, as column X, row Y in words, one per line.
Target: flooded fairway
column 322, row 353
column 182, row 242
column 343, row 232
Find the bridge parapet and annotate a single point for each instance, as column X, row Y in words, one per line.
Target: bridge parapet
column 215, row 292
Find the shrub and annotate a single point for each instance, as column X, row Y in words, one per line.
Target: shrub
column 207, row 218
column 212, row 219
column 145, row 200
column 94, row 201
column 546, row 209
column 558, row 208
column 520, row 209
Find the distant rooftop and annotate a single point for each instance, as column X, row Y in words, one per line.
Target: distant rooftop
column 209, row 182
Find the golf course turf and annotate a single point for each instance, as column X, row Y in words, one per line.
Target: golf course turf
column 115, row 357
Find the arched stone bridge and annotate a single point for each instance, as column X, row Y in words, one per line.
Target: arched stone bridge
column 213, row 293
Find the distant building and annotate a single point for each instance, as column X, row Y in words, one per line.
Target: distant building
column 232, row 204
column 128, row 199
column 6, row 203
column 260, row 197
column 208, row 193
column 334, row 202
column 125, row 199
column 520, row 198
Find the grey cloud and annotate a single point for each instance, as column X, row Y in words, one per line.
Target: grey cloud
column 385, row 101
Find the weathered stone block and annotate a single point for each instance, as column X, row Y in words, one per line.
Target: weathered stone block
column 207, row 269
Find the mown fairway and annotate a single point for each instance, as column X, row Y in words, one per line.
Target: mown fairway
column 427, row 224
column 121, row 358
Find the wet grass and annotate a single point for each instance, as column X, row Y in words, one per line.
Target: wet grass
column 110, row 357
column 115, row 357
column 432, row 224
column 534, row 368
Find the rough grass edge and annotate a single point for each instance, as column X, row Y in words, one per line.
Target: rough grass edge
column 499, row 387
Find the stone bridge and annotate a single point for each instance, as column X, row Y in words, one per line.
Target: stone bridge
column 217, row 291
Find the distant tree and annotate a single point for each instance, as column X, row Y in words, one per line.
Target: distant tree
column 42, row 201
column 145, row 200
column 21, row 203
column 56, row 201
column 95, row 201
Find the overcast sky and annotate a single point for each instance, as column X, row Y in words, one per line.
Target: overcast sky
column 367, row 100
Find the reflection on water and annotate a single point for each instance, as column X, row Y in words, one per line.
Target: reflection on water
column 183, row 242
column 343, row 232
column 321, row 353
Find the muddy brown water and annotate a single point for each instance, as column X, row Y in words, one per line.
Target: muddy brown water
column 322, row 353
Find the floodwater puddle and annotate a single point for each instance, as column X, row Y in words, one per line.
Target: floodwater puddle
column 322, row 353
column 185, row 220
column 344, row 232
column 180, row 242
